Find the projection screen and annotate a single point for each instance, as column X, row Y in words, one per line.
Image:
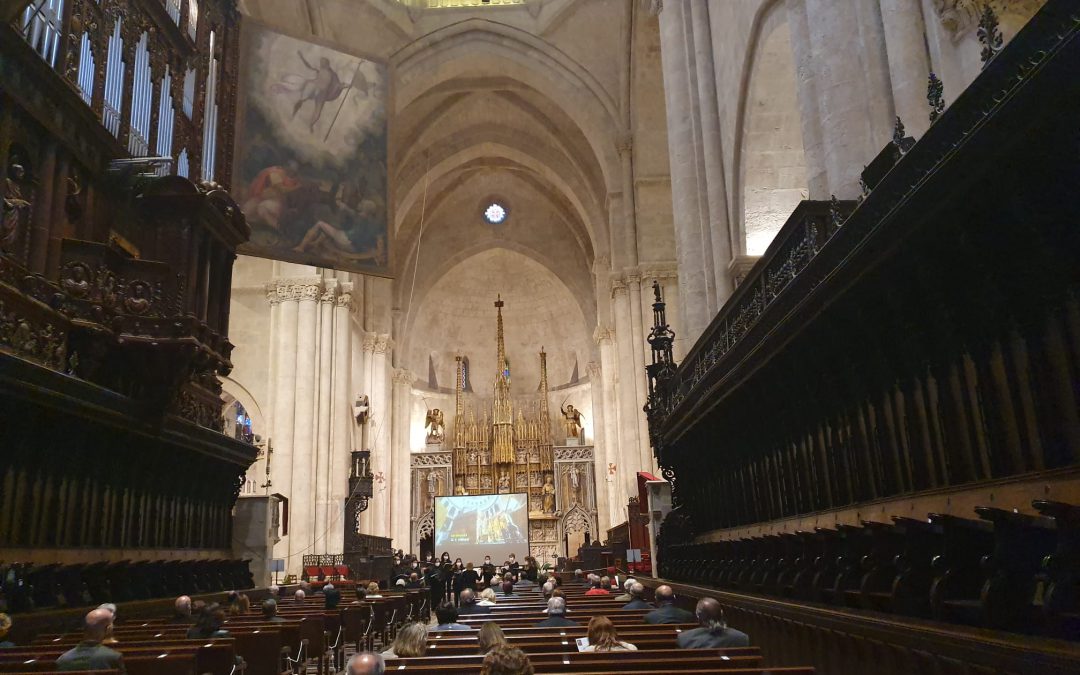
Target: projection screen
column 472, row 526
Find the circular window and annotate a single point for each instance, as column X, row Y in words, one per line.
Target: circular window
column 495, row 213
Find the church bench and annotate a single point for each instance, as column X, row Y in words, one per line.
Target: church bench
column 532, row 645
column 211, row 656
column 162, row 663
column 574, row 656
column 592, row 661
column 1061, row 569
column 575, row 631
column 954, row 594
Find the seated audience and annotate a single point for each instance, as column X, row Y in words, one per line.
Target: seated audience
column 208, row 624
column 245, row 603
column 5, row 627
column 109, row 607
column 626, row 597
column 508, row 590
column 411, row 640
column 182, row 611
column 467, row 604
column 299, row 596
column 373, row 590
column 490, row 637
column 275, row 590
column 666, row 611
column 361, row 595
column 547, row 588
column 414, row 581
column 579, row 577
column 714, row 631
column 91, row 654
column 365, row 663
column 556, row 611
column 399, row 585
column 447, row 616
column 331, row 596
column 600, row 586
column 506, row 660
column 637, row 595
column 269, row 611
column 487, row 598
column 604, row 638
column 232, row 603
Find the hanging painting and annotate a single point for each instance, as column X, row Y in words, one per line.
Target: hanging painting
column 311, row 154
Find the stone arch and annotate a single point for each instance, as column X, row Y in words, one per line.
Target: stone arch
column 771, row 173
column 423, row 526
column 577, row 519
column 455, row 52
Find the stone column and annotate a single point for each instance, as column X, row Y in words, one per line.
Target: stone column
column 629, row 448
column 810, row 114
column 600, row 446
column 379, row 423
column 366, row 438
column 341, row 419
column 284, row 294
column 695, row 280
column 849, row 88
column 324, row 374
column 909, row 63
column 712, row 149
column 399, row 492
column 302, row 497
column 616, row 491
column 641, row 388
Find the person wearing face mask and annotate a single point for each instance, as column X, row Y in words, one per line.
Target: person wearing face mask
column 434, row 581
column 487, row 570
column 458, row 582
column 512, row 565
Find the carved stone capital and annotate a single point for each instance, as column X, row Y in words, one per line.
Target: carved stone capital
column 383, row 343
column 618, row 286
column 660, row 272
column 344, row 297
column 404, row 376
column 368, row 340
column 960, row 17
column 285, row 290
column 602, row 333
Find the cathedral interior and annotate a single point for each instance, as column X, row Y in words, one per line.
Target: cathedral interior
column 774, row 303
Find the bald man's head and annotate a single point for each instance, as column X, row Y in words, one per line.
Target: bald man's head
column 183, row 605
column 664, row 595
column 709, row 613
column 468, row 596
column 366, row 663
column 637, row 590
column 98, row 624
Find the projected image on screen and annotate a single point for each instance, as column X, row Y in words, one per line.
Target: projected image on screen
column 471, row 527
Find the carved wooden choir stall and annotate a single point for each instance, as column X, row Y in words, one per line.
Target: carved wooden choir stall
column 117, row 242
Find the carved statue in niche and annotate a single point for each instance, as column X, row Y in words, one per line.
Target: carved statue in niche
column 76, row 280
column 572, row 420
column 434, row 483
column 504, row 482
column 138, row 300
column 549, row 494
column 459, row 490
column 435, row 426
column 573, row 484
column 16, row 205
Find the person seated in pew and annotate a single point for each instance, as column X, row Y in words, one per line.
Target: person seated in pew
column 373, row 590
column 600, row 587
column 5, row 627
column 467, row 604
column 714, row 631
column 490, row 636
column 414, row 581
column 208, row 624
column 447, row 616
column 275, row 590
column 299, row 596
column 232, row 603
column 637, row 594
column 580, row 579
column 91, row 654
column 487, row 598
column 365, row 663
column 269, row 611
column 411, row 640
column 546, row 589
column 508, row 590
column 604, row 638
column 512, row 565
column 556, row 611
column 182, row 612
column 361, row 595
column 626, row 597
column 506, row 660
column 111, row 608
column 666, row 611
column 331, row 596
column 399, row 585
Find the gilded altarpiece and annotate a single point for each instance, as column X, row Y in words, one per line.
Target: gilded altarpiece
column 504, row 444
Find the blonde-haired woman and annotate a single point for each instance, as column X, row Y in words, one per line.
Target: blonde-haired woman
column 490, row 637
column 604, row 638
column 487, row 597
column 411, row 640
